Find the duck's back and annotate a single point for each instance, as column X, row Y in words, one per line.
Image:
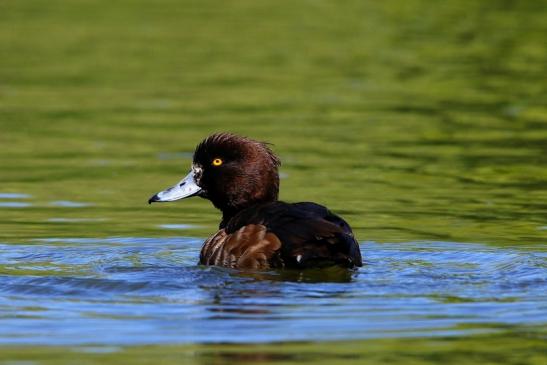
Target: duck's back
column 278, row 234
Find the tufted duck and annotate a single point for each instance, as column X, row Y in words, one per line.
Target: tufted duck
column 240, row 177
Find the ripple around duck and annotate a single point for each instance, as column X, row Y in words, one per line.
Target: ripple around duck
column 14, row 196
column 75, row 220
column 69, row 204
column 131, row 290
column 14, row 204
column 178, row 226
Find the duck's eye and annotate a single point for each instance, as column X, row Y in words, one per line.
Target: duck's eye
column 217, row 162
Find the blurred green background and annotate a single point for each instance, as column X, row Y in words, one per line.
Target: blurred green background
column 415, row 120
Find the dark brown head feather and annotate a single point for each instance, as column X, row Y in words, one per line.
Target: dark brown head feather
column 248, row 175
column 238, row 145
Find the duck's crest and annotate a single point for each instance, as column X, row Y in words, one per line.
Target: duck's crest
column 233, row 141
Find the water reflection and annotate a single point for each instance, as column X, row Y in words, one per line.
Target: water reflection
column 69, row 204
column 14, row 204
column 14, row 196
column 326, row 275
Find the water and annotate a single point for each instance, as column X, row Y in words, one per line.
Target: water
column 132, row 290
column 423, row 124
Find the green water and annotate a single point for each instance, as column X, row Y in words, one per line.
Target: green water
column 417, row 121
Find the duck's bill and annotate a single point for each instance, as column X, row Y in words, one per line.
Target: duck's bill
column 186, row 188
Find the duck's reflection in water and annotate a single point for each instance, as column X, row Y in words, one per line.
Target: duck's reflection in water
column 269, row 295
column 333, row 274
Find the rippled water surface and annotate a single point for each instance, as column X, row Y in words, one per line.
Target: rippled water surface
column 128, row 291
column 424, row 124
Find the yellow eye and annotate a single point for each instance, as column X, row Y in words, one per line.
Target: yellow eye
column 217, row 162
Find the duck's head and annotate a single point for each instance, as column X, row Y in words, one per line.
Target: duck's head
column 233, row 172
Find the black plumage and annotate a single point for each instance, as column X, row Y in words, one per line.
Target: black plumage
column 310, row 234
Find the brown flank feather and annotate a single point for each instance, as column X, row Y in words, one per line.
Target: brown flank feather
column 250, row 247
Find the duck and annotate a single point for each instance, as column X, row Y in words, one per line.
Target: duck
column 240, row 176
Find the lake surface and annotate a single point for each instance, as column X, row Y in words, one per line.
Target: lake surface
column 423, row 124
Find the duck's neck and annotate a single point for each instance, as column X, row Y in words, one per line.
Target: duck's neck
column 231, row 212
column 231, row 201
column 226, row 217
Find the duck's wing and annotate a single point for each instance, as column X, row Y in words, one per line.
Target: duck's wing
column 249, row 247
column 309, row 235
